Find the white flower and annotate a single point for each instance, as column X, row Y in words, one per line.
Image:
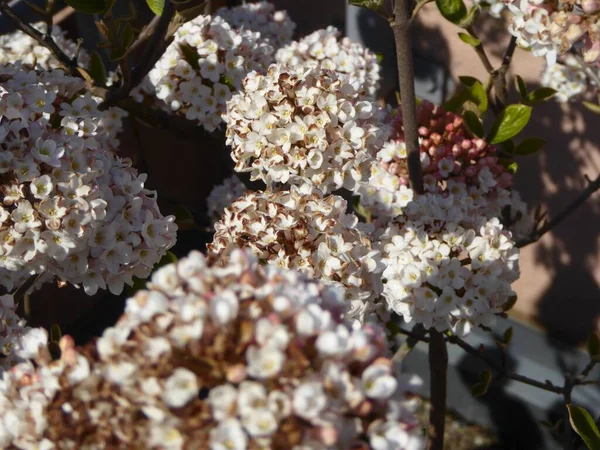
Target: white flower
column 180, row 388
column 224, row 307
column 228, row 435
column 309, row 400
column 264, row 362
column 378, row 382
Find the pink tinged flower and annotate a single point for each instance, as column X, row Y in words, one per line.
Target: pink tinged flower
column 335, row 342
column 31, row 342
column 224, row 307
column 180, row 388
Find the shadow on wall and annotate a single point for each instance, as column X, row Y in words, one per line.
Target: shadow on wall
column 515, row 426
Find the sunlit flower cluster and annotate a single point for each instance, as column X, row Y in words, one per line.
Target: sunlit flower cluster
column 445, row 267
column 275, row 26
column 552, row 28
column 200, row 70
column 18, row 342
column 568, row 79
column 303, row 125
column 452, row 161
column 18, row 46
column 223, row 196
column 233, row 356
column 327, row 49
column 305, row 231
column 70, row 206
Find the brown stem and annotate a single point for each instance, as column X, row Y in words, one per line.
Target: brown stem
column 402, row 27
column 438, row 367
column 20, row 293
column 44, row 39
column 536, row 234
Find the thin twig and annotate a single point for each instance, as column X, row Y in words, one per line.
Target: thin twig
column 44, row 39
column 536, row 234
column 567, row 390
column 418, row 7
column 501, row 371
column 438, row 368
column 19, row 293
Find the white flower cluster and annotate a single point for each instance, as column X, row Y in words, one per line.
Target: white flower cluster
column 303, row 125
column 302, row 230
column 447, row 267
column 233, row 356
column 223, row 196
column 200, row 70
column 325, row 49
column 17, row 341
column 69, row 205
column 567, row 78
column 18, row 46
column 552, row 28
column 275, row 26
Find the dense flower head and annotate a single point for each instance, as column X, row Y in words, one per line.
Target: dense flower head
column 69, row 205
column 18, row 342
column 302, row 230
column 303, row 125
column 231, row 356
column 223, row 195
column 447, row 267
column 275, row 26
column 453, row 161
column 326, row 48
column 203, row 66
column 552, row 28
column 18, row 46
column 569, row 79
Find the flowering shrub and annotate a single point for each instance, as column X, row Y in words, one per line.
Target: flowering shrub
column 274, row 26
column 18, row 46
column 302, row 230
column 551, row 28
column 70, row 205
column 200, row 70
column 233, row 355
column 222, row 196
column 303, row 125
column 325, row 49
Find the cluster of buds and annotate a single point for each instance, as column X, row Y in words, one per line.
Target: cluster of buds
column 303, row 125
column 222, row 196
column 302, row 230
column 569, row 79
column 452, row 161
column 276, row 27
column 325, row 49
column 202, row 68
column 69, row 205
column 234, row 355
column 445, row 267
column 18, row 46
column 552, row 28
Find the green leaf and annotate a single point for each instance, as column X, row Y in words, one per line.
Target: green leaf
column 190, row 54
column 529, row 146
column 593, row 346
column 479, row 389
column 510, row 303
column 509, row 123
column 116, row 54
column 508, row 146
column 97, row 69
column 471, row 17
column 540, row 95
column 453, row 10
column 473, row 123
column 127, row 35
column 592, row 107
column 477, row 92
column 375, row 5
column 468, row 39
column 89, row 6
column 521, row 87
column 584, row 425
column 156, row 6
column 486, row 377
column 55, row 333
column 508, row 335
column 360, row 209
